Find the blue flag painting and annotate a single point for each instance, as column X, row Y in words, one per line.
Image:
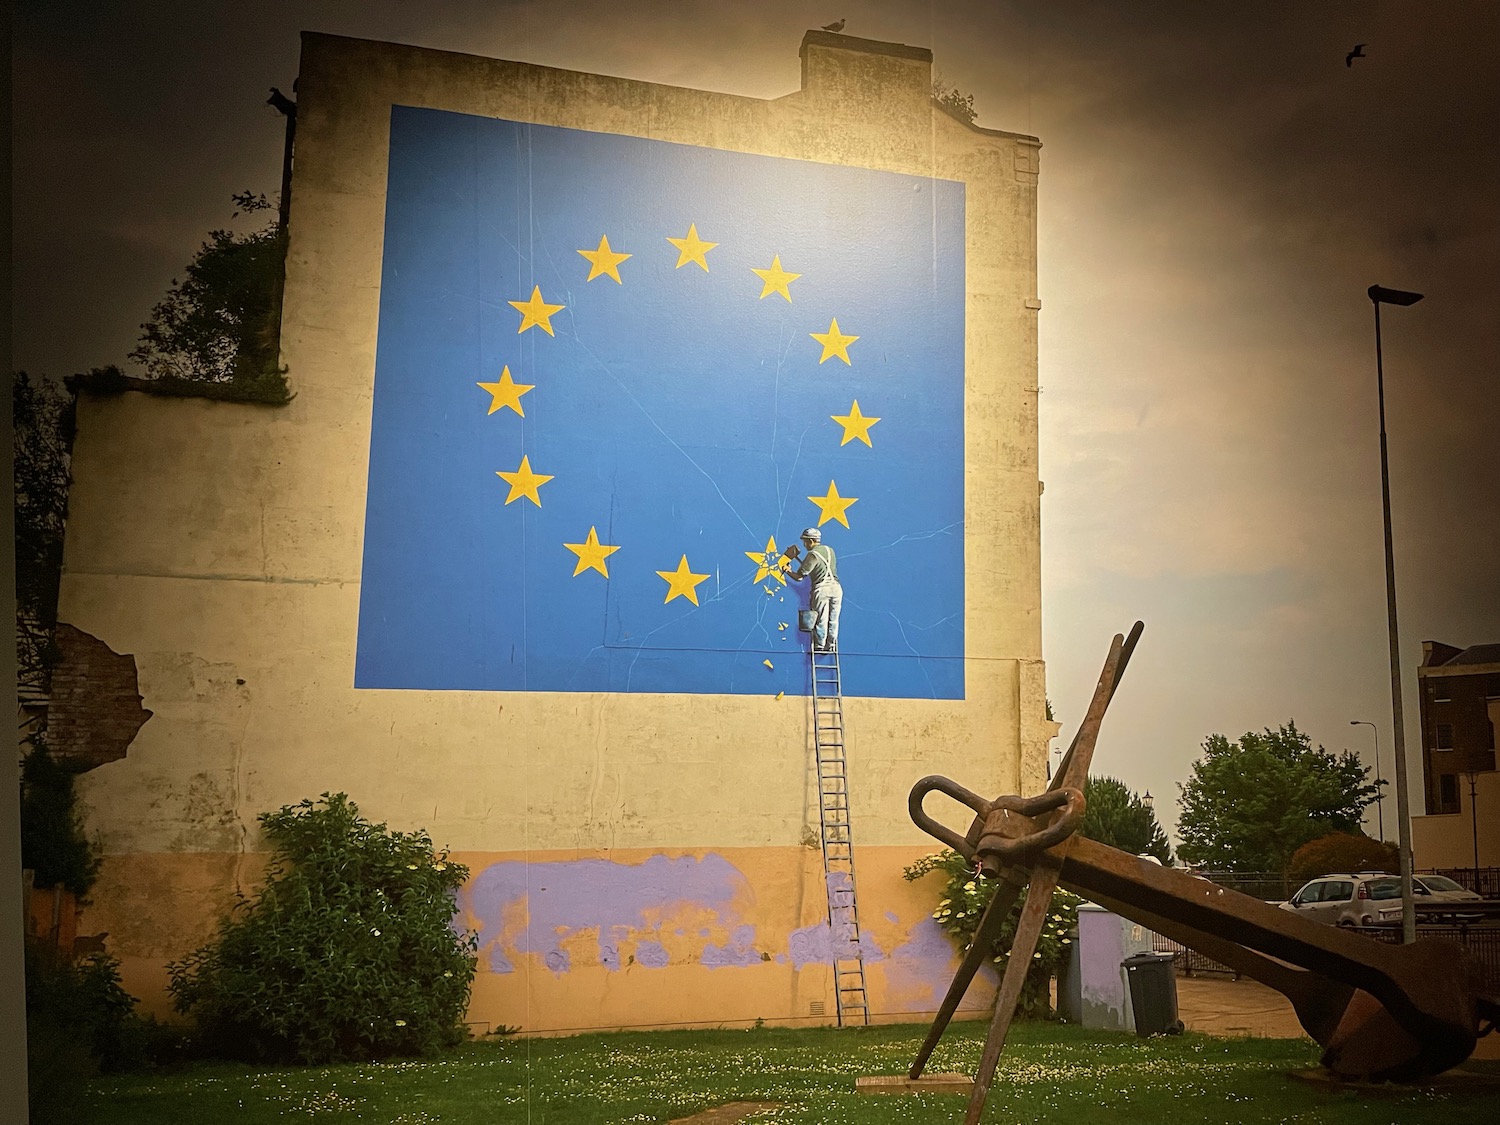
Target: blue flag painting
column 616, row 377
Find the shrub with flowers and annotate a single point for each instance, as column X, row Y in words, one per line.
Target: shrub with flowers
column 349, row 951
column 962, row 903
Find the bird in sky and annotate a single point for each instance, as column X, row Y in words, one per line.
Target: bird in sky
column 834, row 27
column 1357, row 53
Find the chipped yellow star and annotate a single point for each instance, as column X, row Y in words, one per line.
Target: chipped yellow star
column 682, row 582
column 523, row 482
column 604, row 262
column 833, row 506
column 776, row 279
column 536, row 313
column 507, row 392
column 855, row 424
column 692, row 248
column 591, row 554
column 834, row 342
column 767, row 562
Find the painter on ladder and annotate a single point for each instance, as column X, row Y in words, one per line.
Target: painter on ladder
column 827, row 597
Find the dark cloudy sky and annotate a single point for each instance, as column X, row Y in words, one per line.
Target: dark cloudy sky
column 1218, row 190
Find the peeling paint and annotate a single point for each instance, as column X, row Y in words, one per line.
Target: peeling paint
column 520, row 908
column 919, row 969
column 813, row 945
column 738, row 950
column 652, row 955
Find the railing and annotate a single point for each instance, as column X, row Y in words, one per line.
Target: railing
column 1189, row 961
column 1267, row 885
column 1487, row 883
column 1482, row 943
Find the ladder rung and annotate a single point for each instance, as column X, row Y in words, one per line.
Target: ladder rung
column 838, row 847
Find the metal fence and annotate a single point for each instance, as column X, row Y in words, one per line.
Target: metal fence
column 1265, row 885
column 1482, row 942
column 1275, row 888
column 1189, row 961
column 1485, row 880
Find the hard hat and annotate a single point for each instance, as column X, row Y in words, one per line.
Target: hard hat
column 813, row 535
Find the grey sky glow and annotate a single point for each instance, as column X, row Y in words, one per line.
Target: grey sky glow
column 1218, row 190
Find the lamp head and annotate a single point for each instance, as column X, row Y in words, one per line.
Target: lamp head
column 1381, row 295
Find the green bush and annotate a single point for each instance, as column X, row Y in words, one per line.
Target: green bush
column 1343, row 851
column 53, row 843
column 80, row 1021
column 964, row 899
column 348, row 952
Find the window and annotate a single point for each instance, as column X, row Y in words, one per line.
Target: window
column 1447, row 793
column 1444, row 738
column 1341, row 891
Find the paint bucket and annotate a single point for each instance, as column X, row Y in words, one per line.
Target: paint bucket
column 806, row 619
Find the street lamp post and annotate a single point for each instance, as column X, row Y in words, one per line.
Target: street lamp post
column 1473, row 775
column 1379, row 784
column 1380, row 295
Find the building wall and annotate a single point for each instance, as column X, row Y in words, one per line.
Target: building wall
column 637, row 857
column 1450, row 839
column 1457, row 702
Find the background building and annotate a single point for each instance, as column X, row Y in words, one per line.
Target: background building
column 1459, row 691
column 574, row 357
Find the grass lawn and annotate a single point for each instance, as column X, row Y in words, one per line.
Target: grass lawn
column 1049, row 1073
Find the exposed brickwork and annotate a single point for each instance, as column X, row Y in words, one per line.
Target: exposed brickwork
column 96, row 702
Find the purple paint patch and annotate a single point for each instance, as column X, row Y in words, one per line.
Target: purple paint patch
column 920, row 969
column 815, row 945
column 652, row 955
column 738, row 950
column 558, row 900
column 890, row 916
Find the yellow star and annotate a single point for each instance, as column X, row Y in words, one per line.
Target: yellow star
column 834, row 342
column 692, row 248
column 776, row 279
column 833, row 506
column 523, row 482
column 604, row 261
column 682, row 582
column 768, row 562
column 855, row 424
column 507, row 392
column 591, row 554
column 536, row 313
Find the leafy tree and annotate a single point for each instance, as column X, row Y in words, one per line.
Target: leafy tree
column 222, row 322
column 348, row 952
column 1340, row 851
column 965, row 896
column 1249, row 805
column 1115, row 815
column 43, row 424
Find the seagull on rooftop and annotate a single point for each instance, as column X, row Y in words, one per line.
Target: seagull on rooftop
column 834, row 27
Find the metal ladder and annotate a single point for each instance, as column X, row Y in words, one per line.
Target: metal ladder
column 838, row 847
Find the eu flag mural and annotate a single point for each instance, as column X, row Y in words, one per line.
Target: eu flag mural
column 615, row 378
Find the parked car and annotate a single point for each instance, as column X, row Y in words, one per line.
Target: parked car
column 1363, row 899
column 1442, row 889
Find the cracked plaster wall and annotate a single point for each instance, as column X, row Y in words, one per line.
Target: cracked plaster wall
column 221, row 544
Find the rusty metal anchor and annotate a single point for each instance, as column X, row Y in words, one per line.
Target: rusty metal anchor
column 1380, row 1012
